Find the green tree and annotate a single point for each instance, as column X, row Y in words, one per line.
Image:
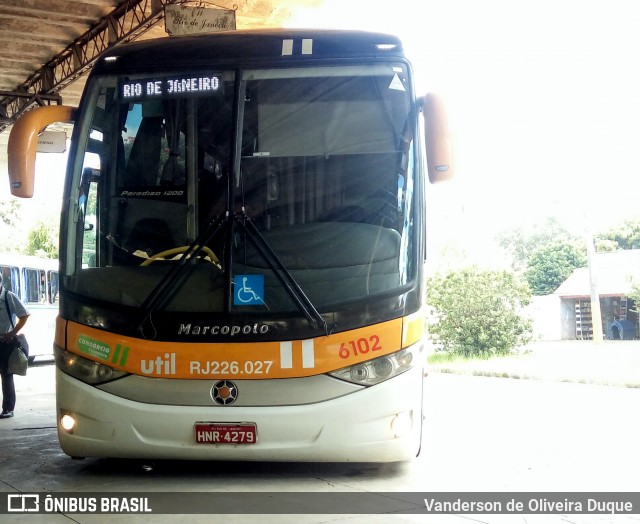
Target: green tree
column 42, row 240
column 624, row 236
column 478, row 312
column 520, row 243
column 634, row 294
column 10, row 212
column 551, row 265
column 10, row 225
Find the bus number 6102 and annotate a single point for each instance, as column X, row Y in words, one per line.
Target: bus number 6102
column 360, row 346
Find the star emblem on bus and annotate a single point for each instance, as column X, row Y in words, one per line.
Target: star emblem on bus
column 224, row 392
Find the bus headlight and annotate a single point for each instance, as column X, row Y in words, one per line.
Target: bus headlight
column 84, row 369
column 358, row 373
column 67, row 422
column 380, row 369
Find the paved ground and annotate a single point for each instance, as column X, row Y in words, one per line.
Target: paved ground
column 544, row 447
column 613, row 363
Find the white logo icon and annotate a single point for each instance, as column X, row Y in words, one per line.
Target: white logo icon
column 21, row 503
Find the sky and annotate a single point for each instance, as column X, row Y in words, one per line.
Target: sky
column 543, row 99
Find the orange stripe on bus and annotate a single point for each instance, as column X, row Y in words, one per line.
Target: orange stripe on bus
column 234, row 360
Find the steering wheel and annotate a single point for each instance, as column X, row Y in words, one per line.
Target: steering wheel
column 182, row 249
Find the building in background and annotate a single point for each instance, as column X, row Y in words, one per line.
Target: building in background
column 566, row 314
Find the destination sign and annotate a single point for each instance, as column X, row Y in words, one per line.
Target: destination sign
column 170, row 86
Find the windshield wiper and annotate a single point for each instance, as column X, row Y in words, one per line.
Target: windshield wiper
column 166, row 289
column 286, row 279
column 168, row 286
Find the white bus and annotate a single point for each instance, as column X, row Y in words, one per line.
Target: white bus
column 35, row 281
column 242, row 249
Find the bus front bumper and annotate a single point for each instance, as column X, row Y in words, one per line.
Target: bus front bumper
column 382, row 423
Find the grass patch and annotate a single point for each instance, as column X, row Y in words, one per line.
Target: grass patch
column 612, row 365
column 443, row 357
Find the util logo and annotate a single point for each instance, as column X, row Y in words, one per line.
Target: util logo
column 161, row 365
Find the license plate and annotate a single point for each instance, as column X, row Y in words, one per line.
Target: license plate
column 225, row 433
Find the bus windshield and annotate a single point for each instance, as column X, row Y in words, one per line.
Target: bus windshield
column 244, row 191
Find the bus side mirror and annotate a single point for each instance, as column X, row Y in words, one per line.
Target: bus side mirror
column 437, row 139
column 23, row 140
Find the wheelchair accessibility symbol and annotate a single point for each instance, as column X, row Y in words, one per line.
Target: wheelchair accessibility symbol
column 249, row 290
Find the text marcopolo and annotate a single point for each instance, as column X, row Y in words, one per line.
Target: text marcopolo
column 231, row 330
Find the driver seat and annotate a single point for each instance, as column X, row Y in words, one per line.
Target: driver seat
column 151, row 235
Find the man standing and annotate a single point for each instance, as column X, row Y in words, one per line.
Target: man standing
column 8, row 330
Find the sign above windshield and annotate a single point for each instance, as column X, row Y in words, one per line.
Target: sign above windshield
column 186, row 20
column 170, row 86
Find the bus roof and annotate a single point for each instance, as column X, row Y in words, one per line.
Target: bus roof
column 28, row 261
column 266, row 44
